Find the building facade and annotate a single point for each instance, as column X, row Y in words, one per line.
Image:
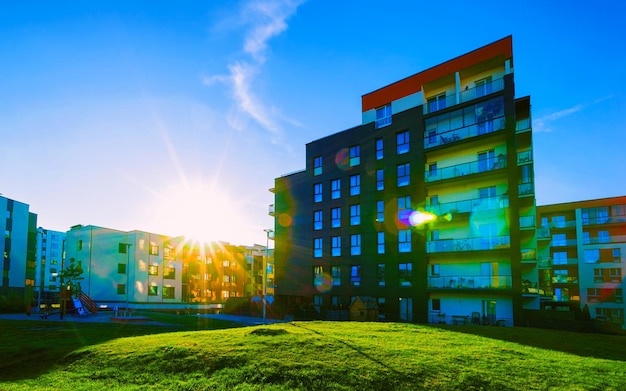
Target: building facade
column 18, row 249
column 48, row 257
column 427, row 206
column 581, row 259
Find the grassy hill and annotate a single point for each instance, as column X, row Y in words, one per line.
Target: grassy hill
column 322, row 356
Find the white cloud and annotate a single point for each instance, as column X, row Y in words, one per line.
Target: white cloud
column 542, row 124
column 265, row 19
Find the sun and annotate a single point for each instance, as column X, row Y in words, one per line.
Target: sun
column 200, row 211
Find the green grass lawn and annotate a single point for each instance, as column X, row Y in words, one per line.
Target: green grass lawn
column 305, row 356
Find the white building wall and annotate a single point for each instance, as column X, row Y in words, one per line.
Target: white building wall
column 18, row 235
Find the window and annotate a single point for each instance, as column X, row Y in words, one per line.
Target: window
column 436, row 103
column 317, row 165
column 436, row 304
column 404, row 241
column 355, row 156
column 617, row 255
column 598, row 275
column 336, row 275
column 432, row 170
column 355, row 185
column 486, row 160
column 153, row 270
column 404, row 174
column 355, row 244
column 380, row 179
column 405, row 274
column 586, row 238
column 335, row 189
column 380, row 211
column 317, row 192
column 483, row 87
column 168, row 292
column 79, row 244
column 335, row 217
column 318, row 276
column 167, row 253
column 618, row 210
column 404, row 208
column 434, row 269
column 619, row 295
column 169, row 273
column 380, row 274
column 559, row 240
column 153, row 290
column 355, row 214
column 603, row 237
column 558, row 221
column 594, row 294
column 121, row 268
column 335, row 246
column 379, row 148
column 121, row 289
column 383, row 116
column 559, row 258
column 355, row 275
column 381, row 242
column 317, row 220
column 317, row 247
column 122, row 248
column 154, row 249
column 592, row 256
column 402, row 142
column 335, row 301
column 615, row 274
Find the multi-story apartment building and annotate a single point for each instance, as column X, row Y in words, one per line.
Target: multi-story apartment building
column 48, row 257
column 18, row 249
column 428, row 206
column 146, row 270
column 581, row 259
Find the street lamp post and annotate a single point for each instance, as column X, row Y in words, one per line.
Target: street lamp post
column 267, row 255
column 61, row 284
column 127, row 275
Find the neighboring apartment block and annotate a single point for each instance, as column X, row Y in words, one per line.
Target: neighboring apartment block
column 18, row 249
column 146, row 270
column 428, row 206
column 582, row 259
column 49, row 256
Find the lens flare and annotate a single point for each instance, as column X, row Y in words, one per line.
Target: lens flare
column 323, row 283
column 341, row 159
column 417, row 218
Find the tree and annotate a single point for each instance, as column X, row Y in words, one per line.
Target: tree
column 71, row 275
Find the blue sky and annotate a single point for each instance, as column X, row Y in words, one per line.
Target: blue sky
column 175, row 117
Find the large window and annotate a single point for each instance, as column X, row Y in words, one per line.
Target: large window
column 335, row 189
column 380, row 274
column 318, row 275
column 355, row 275
column 355, row 155
column 383, row 116
column 436, row 103
column 379, row 148
column 355, row 214
column 355, row 244
column 483, row 87
column 380, row 211
column 404, row 241
column 380, row 179
column 486, row 160
column 317, row 220
column 559, row 240
column 335, row 246
column 355, row 185
column 405, row 274
column 317, row 247
column 404, row 208
column 336, row 274
column 317, row 192
column 317, row 165
column 335, row 217
column 592, row 255
column 404, row 174
column 380, row 242
column 402, row 142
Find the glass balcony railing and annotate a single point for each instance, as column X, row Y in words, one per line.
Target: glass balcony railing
column 526, row 189
column 470, row 282
column 564, row 261
column 543, row 233
column 451, row 136
column 524, row 157
column 544, row 262
column 604, row 220
column 467, row 95
column 527, row 222
column 523, row 125
column 468, row 244
column 563, row 242
column 529, row 255
column 468, row 206
column 563, row 224
column 606, row 239
column 469, row 168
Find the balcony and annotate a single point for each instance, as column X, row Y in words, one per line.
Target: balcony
column 563, row 224
column 468, row 244
column 564, row 261
column 435, row 139
column 606, row 239
column 523, row 125
column 560, row 279
column 271, row 210
column 450, row 100
column 526, row 189
column 526, row 222
column 524, row 157
column 544, row 262
column 604, row 220
column 468, row 206
column 529, row 255
column 543, row 233
column 469, row 282
column 463, row 169
column 563, row 242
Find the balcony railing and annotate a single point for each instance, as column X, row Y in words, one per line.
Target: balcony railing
column 563, row 242
column 467, row 206
column 523, row 125
column 451, row 136
column 465, row 96
column 564, row 261
column 270, row 210
column 468, row 244
column 526, row 189
column 604, row 220
column 544, row 262
column 529, row 255
column 470, row 282
column 527, row 221
column 469, row 168
column 525, row 157
column 606, row 239
column 543, row 233
column 563, row 224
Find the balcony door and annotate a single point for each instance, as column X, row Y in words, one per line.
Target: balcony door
column 489, row 308
column 406, row 309
column 489, row 274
